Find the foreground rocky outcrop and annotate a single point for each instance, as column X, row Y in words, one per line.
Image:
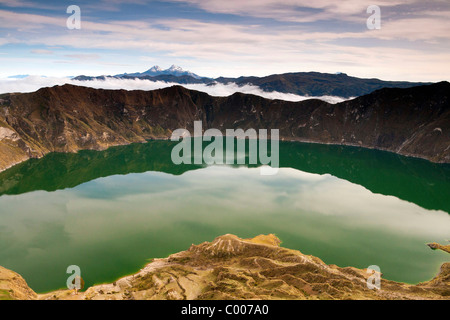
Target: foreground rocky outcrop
column 437, row 246
column 258, row 268
column 14, row 287
column 413, row 121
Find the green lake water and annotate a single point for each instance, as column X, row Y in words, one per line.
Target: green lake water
column 109, row 212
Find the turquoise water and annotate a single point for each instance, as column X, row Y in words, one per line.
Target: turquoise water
column 109, row 212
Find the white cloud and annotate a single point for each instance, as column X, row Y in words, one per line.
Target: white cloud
column 295, row 10
column 15, row 3
column 41, row 51
column 33, row 83
column 319, row 195
column 83, row 56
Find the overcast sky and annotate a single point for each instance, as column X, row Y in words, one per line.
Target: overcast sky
column 227, row 37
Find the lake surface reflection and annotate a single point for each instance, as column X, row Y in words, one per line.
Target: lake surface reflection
column 109, row 212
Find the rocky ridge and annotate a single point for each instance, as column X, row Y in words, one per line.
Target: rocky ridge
column 313, row 84
column 413, row 121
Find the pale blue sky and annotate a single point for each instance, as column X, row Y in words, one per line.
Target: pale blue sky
column 227, row 38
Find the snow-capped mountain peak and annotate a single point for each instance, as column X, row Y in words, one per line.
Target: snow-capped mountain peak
column 155, row 69
column 174, row 70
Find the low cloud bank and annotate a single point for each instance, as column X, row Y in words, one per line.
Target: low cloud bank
column 33, row 83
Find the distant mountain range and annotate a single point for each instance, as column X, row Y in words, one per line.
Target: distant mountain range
column 157, row 71
column 19, row 76
column 413, row 121
column 313, row 84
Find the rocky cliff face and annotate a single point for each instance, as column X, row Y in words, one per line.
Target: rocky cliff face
column 413, row 121
column 258, row 268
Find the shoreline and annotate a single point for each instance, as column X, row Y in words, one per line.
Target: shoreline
column 282, row 139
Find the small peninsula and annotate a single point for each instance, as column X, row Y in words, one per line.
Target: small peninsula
column 233, row 268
